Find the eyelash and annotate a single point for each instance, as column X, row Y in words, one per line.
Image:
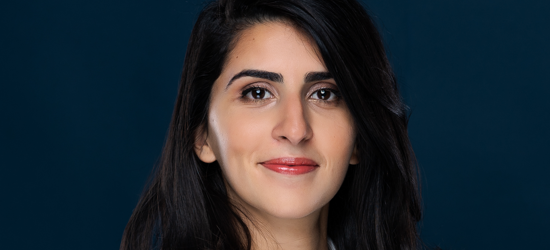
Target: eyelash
column 334, row 92
column 249, row 89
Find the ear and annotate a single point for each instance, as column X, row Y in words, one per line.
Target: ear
column 354, row 160
column 203, row 148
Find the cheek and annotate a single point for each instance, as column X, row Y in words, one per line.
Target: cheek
column 239, row 135
column 336, row 139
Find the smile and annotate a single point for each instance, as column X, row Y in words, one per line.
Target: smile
column 291, row 166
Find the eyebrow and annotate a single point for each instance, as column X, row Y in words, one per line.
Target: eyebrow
column 276, row 77
column 318, row 76
column 271, row 76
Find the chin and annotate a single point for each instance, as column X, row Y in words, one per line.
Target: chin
column 293, row 213
column 294, row 207
column 282, row 198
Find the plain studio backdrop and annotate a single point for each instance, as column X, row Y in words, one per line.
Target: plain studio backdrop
column 88, row 87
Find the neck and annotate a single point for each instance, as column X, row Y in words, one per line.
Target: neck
column 269, row 232
column 272, row 233
column 308, row 233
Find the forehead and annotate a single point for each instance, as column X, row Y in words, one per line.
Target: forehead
column 273, row 46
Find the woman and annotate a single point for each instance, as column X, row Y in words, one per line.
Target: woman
column 288, row 133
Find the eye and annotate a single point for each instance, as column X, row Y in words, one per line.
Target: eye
column 325, row 94
column 256, row 93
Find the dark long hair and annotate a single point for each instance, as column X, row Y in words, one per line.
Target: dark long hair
column 378, row 206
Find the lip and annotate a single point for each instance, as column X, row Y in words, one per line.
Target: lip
column 291, row 165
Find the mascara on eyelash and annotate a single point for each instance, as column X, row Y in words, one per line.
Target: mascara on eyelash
column 333, row 91
column 250, row 88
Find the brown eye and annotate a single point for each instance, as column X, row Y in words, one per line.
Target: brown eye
column 325, row 95
column 256, row 93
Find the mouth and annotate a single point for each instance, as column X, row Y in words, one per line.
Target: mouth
column 291, row 166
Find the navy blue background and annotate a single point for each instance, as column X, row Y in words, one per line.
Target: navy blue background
column 87, row 90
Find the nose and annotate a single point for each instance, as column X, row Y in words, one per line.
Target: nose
column 293, row 124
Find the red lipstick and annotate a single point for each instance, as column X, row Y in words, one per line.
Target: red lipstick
column 291, row 166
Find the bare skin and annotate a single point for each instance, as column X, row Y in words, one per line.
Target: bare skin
column 279, row 113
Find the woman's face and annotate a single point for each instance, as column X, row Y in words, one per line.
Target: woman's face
column 277, row 126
